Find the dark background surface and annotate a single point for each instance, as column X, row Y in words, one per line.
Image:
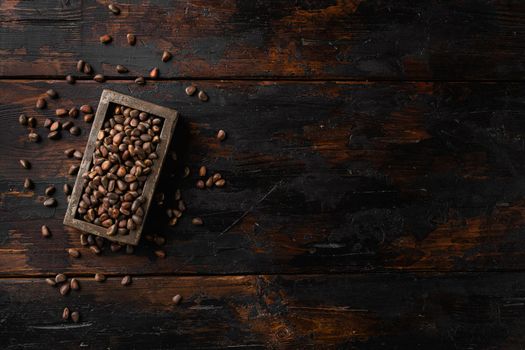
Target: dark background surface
column 374, row 163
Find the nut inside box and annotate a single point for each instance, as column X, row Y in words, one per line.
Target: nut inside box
column 118, row 174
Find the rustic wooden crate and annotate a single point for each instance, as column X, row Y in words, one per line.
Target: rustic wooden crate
column 170, row 117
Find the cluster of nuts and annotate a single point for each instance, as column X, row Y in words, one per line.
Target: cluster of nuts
column 125, row 152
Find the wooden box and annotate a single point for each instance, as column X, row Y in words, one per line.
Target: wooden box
column 107, row 100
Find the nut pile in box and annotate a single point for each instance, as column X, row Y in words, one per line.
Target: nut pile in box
column 119, row 170
column 125, row 151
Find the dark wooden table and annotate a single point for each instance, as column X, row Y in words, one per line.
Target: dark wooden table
column 375, row 167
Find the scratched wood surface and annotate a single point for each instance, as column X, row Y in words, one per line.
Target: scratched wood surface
column 374, row 166
column 352, row 39
column 371, row 311
column 326, row 177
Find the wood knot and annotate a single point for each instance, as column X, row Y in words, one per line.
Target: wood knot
column 283, row 333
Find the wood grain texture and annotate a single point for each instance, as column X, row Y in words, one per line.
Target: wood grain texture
column 356, row 39
column 321, row 177
column 385, row 311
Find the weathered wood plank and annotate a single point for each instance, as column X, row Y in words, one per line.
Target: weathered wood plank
column 321, row 177
column 390, row 311
column 359, row 39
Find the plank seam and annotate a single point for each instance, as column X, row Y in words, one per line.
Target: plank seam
column 331, row 273
column 272, row 78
